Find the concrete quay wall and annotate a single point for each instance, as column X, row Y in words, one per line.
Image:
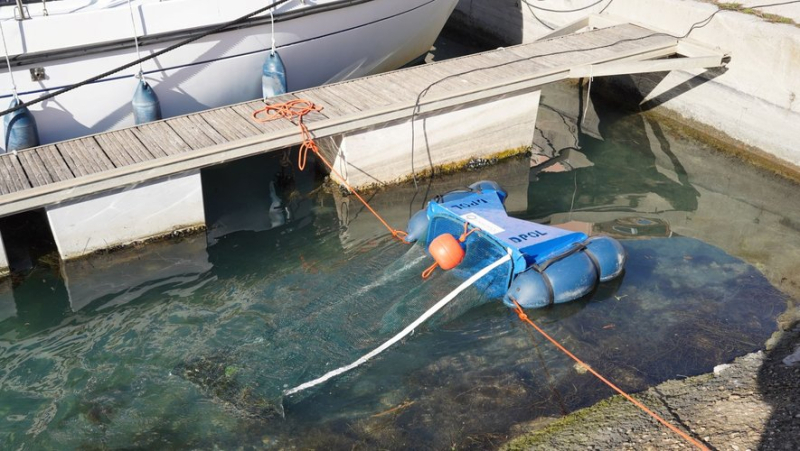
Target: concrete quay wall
column 754, row 101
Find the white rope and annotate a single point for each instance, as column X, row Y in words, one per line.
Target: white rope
column 588, row 91
column 272, row 33
column 135, row 40
column 8, row 62
column 409, row 329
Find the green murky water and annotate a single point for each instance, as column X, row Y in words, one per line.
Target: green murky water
column 188, row 344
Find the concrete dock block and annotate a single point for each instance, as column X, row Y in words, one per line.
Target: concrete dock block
column 753, row 101
column 119, row 218
column 3, row 259
column 383, row 156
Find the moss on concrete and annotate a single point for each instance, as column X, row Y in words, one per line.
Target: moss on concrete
column 584, row 418
column 738, row 7
column 471, row 163
column 179, row 232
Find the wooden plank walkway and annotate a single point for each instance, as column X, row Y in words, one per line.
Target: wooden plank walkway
column 68, row 170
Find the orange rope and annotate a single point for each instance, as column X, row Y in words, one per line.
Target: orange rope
column 299, row 108
column 427, row 273
column 630, row 398
column 464, row 235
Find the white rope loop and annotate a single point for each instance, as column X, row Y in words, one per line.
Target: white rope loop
column 136, row 40
column 588, row 92
column 408, row 330
column 272, row 33
column 8, row 62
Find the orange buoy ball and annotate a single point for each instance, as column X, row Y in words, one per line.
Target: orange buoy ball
column 447, row 251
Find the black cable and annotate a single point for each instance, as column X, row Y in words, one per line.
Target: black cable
column 140, row 60
column 564, row 10
column 606, row 7
column 546, row 25
column 695, row 26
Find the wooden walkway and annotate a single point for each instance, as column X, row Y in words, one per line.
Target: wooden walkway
column 50, row 174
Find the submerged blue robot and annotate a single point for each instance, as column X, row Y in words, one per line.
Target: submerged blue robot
column 466, row 230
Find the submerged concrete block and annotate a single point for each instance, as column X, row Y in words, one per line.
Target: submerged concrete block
column 109, row 280
column 8, row 306
column 121, row 217
column 384, row 156
column 3, row 259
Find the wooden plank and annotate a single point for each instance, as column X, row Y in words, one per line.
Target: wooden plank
column 207, row 128
column 310, row 117
column 410, row 78
column 190, row 133
column 229, row 124
column 315, row 116
column 54, row 162
column 362, row 96
column 277, row 124
column 149, row 142
column 35, row 168
column 7, row 185
column 84, row 156
column 389, row 87
column 331, row 109
column 329, row 97
column 351, row 96
column 442, row 79
column 123, row 147
column 13, row 176
column 245, row 111
column 115, row 152
column 158, row 136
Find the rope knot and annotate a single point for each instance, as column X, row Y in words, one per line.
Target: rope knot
column 466, row 233
column 299, row 108
column 399, row 234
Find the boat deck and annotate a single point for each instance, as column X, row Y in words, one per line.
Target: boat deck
column 55, row 173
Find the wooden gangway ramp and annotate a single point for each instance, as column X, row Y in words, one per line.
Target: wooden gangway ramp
column 68, row 170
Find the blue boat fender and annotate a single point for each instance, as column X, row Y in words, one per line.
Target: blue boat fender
column 564, row 280
column 273, row 76
column 20, row 128
column 146, row 107
column 417, row 227
column 609, row 256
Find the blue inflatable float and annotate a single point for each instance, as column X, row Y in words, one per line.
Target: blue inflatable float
column 548, row 265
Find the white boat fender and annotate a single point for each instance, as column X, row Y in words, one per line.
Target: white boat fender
column 20, row 128
column 146, row 107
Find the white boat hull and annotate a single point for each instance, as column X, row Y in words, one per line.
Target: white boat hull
column 225, row 68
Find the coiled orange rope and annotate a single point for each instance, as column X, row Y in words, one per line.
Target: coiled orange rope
column 299, row 108
column 522, row 316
